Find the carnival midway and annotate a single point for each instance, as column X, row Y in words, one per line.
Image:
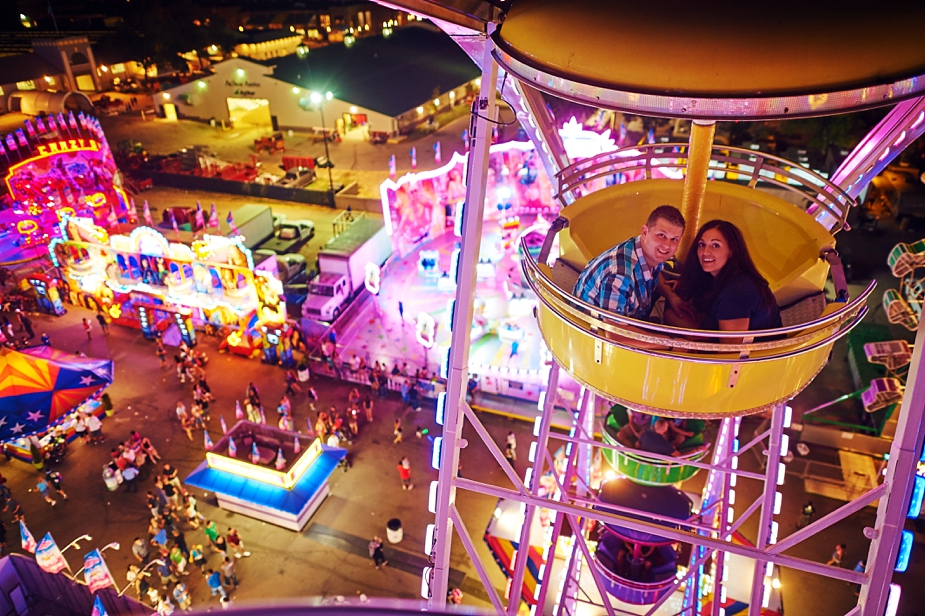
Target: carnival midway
column 636, row 367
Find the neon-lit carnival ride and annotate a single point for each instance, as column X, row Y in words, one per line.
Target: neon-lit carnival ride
column 603, row 548
column 61, row 166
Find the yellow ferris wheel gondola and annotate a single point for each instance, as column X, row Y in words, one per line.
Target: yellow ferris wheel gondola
column 705, row 374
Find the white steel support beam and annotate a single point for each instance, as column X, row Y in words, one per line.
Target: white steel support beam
column 902, row 125
column 725, row 479
column 644, row 526
column 520, row 565
column 467, row 542
column 767, row 508
column 892, row 510
column 483, row 109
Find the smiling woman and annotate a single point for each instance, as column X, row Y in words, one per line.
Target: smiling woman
column 720, row 287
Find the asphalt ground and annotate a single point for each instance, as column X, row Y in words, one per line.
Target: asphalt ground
column 329, row 557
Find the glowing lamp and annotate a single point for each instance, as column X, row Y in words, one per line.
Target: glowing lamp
column 329, row 95
column 240, row 72
column 420, row 110
column 201, row 84
column 166, row 96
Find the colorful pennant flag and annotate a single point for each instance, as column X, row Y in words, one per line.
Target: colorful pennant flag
column 213, row 218
column 98, row 609
column 207, row 440
column 96, row 573
column 280, row 460
column 238, row 413
column 71, row 120
column 255, row 454
column 224, row 427
column 414, row 157
column 232, row 448
column 393, row 170
column 173, row 221
column 29, row 128
column 48, row 556
column 297, row 445
column 200, row 220
column 230, row 221
column 52, row 125
column 40, row 125
column 437, row 154
column 147, row 215
column 28, row 541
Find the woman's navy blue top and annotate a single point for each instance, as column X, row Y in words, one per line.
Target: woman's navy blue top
column 741, row 299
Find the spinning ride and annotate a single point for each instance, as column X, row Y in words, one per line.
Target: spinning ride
column 58, row 167
column 791, row 229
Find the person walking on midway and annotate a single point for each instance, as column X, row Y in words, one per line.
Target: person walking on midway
column 161, row 353
column 86, row 325
column 375, row 552
column 837, row 555
column 104, row 324
column 55, row 480
column 397, row 432
column 404, row 471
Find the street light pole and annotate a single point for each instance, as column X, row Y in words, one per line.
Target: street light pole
column 316, row 98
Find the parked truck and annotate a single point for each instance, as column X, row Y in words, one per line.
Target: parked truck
column 254, row 222
column 342, row 268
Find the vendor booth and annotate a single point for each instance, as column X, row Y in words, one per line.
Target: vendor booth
column 269, row 474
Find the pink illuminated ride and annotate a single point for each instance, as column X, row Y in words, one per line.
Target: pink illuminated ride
column 624, row 540
column 60, row 166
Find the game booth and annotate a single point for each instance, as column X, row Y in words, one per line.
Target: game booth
column 42, row 391
column 269, row 474
column 57, row 167
column 170, row 289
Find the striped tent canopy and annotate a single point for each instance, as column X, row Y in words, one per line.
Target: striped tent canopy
column 41, row 385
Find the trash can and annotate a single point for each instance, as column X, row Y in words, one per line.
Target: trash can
column 393, row 531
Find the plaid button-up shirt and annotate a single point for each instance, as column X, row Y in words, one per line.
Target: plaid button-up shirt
column 619, row 280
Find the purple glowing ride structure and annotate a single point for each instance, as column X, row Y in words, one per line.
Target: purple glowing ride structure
column 614, row 554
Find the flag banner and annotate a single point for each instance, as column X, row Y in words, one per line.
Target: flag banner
column 98, row 609
column 28, row 541
column 48, row 556
column 96, row 573
column 213, row 217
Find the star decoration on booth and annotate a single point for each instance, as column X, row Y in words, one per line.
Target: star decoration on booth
column 2, row 421
column 86, row 380
column 34, row 416
column 18, row 428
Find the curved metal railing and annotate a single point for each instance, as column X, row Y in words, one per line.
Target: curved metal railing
column 827, row 203
column 694, row 345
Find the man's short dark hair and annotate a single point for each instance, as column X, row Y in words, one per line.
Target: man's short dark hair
column 668, row 213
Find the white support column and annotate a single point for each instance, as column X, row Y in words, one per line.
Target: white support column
column 520, row 565
column 767, row 508
column 584, row 428
column 725, row 479
column 892, row 510
column 458, row 369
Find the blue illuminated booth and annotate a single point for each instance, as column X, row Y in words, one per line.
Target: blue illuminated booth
column 269, row 474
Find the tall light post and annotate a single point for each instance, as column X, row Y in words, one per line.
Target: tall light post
column 157, row 562
column 319, row 101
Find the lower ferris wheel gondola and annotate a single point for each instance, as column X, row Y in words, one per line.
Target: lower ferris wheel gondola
column 638, row 567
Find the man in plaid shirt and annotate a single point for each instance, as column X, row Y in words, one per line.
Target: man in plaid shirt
column 624, row 279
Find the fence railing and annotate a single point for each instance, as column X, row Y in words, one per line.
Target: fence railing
column 826, row 203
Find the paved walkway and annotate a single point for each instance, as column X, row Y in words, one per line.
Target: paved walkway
column 329, row 557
